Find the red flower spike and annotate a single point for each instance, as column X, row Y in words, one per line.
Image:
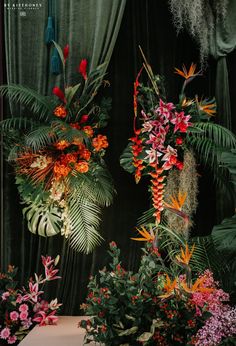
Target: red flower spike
column 59, row 93
column 83, row 68
column 66, row 52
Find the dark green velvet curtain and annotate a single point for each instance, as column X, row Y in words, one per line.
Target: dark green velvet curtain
column 224, row 42
column 146, row 23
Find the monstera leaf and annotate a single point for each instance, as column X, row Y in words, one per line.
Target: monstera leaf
column 126, row 159
column 43, row 219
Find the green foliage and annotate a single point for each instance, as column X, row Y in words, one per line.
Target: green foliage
column 127, row 308
column 84, row 218
column 43, row 219
column 57, row 153
column 38, row 104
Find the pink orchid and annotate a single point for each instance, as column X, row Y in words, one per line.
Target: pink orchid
column 43, row 319
column 12, row 339
column 181, row 122
column 5, row 333
column 14, row 315
column 50, row 273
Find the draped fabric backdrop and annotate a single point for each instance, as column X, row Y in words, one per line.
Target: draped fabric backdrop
column 90, row 27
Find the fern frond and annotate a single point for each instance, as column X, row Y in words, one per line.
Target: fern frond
column 38, row 104
column 84, row 219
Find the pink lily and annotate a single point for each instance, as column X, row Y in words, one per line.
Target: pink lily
column 170, row 157
column 50, row 273
column 165, row 109
column 43, row 319
column 34, row 292
column 47, row 261
column 181, row 122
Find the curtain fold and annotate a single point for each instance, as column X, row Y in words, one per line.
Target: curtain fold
column 224, row 42
column 90, row 28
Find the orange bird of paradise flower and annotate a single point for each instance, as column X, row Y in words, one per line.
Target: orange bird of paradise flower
column 169, row 287
column 176, row 205
column 198, row 286
column 178, row 201
column 186, row 255
column 146, row 236
column 208, row 108
column 187, row 74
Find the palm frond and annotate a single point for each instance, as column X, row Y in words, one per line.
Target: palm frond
column 147, row 217
column 40, row 138
column 42, row 219
column 84, row 219
column 224, row 236
column 17, row 123
column 205, row 255
column 38, row 104
column 96, row 185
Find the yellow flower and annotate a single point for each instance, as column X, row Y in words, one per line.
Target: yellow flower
column 169, row 287
column 146, row 235
column 186, row 255
column 187, row 74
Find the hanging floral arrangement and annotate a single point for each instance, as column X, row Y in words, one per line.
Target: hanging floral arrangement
column 167, row 139
column 57, row 152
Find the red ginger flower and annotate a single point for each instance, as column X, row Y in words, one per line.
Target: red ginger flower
column 66, row 52
column 83, row 68
column 59, row 93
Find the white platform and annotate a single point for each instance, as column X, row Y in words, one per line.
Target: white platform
column 65, row 333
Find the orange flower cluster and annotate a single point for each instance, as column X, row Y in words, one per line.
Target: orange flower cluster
column 136, row 150
column 60, row 170
column 82, row 166
column 100, row 142
column 61, row 145
column 60, row 112
column 157, row 189
column 88, row 130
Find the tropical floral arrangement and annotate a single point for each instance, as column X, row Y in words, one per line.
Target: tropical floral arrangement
column 168, row 138
column 159, row 305
column 57, row 152
column 22, row 308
